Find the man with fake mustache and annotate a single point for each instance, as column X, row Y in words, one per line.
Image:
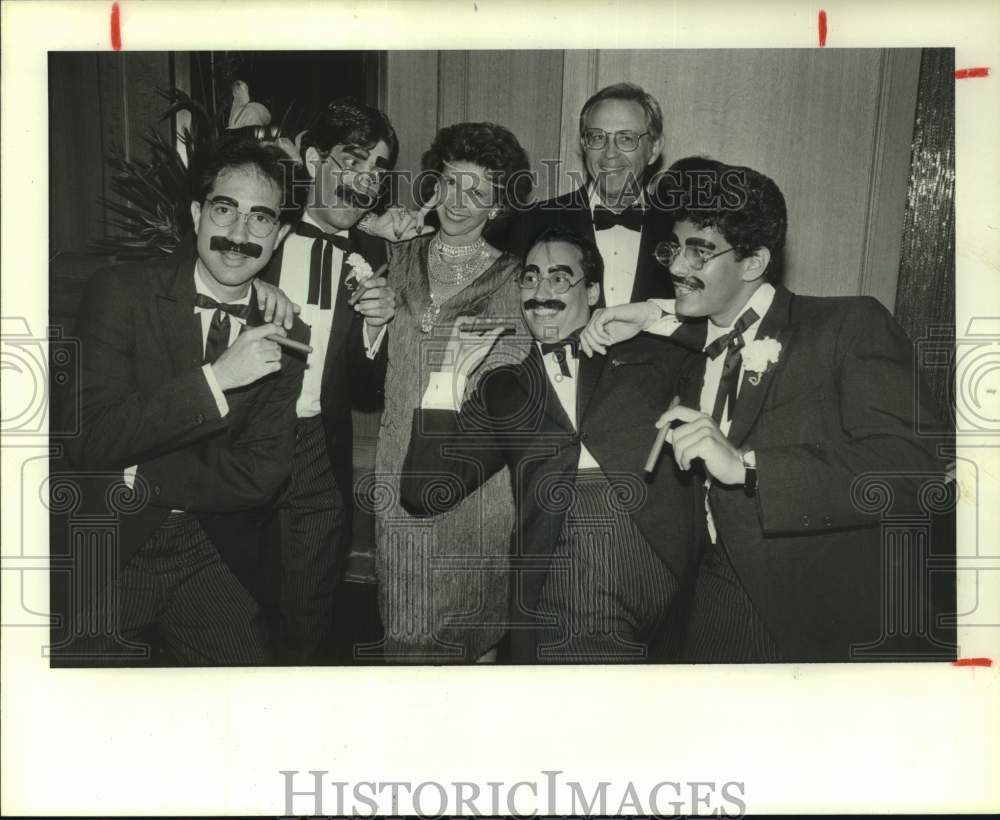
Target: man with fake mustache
column 328, row 267
column 187, row 415
column 797, row 405
column 594, row 581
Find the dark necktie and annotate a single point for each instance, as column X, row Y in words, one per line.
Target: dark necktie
column 218, row 330
column 732, row 342
column 321, row 262
column 562, row 349
column 605, row 219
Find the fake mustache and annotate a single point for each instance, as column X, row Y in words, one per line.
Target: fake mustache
column 688, row 281
column 546, row 304
column 220, row 243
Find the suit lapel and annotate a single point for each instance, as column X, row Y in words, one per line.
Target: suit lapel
column 180, row 326
column 775, row 325
column 588, row 374
column 649, row 272
column 531, row 376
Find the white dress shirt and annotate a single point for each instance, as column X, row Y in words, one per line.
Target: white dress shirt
column 294, row 281
column 446, row 390
column 619, row 249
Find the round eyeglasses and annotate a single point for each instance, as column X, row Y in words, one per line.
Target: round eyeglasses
column 224, row 215
column 696, row 258
column 559, row 282
column 596, row 139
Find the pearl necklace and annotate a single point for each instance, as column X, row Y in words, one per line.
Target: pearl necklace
column 448, row 266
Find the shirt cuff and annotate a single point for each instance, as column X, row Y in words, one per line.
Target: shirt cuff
column 217, row 394
column 668, row 324
column 372, row 348
column 445, row 391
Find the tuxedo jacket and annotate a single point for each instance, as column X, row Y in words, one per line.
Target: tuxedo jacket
column 515, row 419
column 350, row 378
column 572, row 211
column 142, row 399
column 832, row 425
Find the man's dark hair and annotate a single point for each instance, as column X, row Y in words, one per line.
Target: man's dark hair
column 747, row 208
column 241, row 153
column 591, row 261
column 631, row 93
column 491, row 147
column 348, row 122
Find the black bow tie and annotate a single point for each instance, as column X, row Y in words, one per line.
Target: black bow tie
column 208, row 303
column 341, row 240
column 563, row 348
column 321, row 262
column 605, row 219
column 734, row 337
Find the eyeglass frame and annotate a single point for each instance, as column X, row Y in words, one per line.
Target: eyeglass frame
column 697, row 263
column 273, row 219
column 548, row 278
column 615, row 134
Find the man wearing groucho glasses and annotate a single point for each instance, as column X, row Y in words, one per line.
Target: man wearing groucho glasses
column 599, row 555
column 187, row 399
column 621, row 131
column 328, row 267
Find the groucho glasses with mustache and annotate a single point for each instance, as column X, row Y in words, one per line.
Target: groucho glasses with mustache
column 666, row 252
column 224, row 213
column 560, row 280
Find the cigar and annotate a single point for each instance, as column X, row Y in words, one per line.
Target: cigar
column 661, row 437
column 291, row 344
column 485, row 326
column 656, row 449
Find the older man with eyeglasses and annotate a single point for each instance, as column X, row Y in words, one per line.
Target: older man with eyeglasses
column 621, row 137
column 595, row 579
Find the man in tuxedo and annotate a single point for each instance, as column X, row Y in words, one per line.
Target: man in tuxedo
column 795, row 400
column 621, row 136
column 326, row 266
column 599, row 556
column 187, row 412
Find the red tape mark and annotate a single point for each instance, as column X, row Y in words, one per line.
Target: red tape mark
column 822, row 28
column 987, row 662
column 965, row 73
column 116, row 28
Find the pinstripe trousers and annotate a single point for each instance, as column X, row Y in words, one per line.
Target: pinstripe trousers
column 607, row 596
column 177, row 582
column 312, row 520
column 724, row 626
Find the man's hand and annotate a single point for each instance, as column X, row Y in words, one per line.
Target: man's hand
column 608, row 326
column 468, row 347
column 699, row 436
column 252, row 356
column 399, row 224
column 275, row 306
column 374, row 300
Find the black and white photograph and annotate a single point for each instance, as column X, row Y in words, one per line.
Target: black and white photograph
column 626, row 387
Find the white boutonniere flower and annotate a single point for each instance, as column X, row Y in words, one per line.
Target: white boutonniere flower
column 360, row 271
column 758, row 356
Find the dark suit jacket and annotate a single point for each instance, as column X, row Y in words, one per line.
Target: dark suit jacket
column 143, row 400
column 839, row 405
column 349, row 377
column 515, row 419
column 572, row 211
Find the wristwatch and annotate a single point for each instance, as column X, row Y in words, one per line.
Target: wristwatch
column 750, row 465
